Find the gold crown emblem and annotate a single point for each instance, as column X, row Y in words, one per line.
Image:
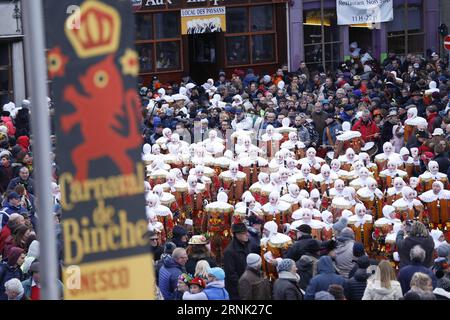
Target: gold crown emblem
column 98, row 30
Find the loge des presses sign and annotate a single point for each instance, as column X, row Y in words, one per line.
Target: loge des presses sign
column 94, row 66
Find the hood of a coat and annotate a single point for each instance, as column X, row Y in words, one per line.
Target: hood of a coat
column 169, row 262
column 325, row 265
column 216, row 284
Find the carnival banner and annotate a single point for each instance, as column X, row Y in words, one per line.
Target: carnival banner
column 203, row 20
column 364, row 11
column 93, row 67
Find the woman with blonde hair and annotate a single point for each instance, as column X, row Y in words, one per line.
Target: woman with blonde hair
column 422, row 285
column 201, row 269
column 383, row 285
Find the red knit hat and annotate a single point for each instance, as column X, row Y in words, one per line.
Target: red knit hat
column 198, row 281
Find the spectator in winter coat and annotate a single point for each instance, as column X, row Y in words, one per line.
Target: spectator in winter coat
column 215, row 287
column 31, row 286
column 305, row 267
column 155, row 248
column 421, row 284
column 297, row 250
column 287, row 285
column 17, row 239
column 6, row 172
column 23, row 179
column 326, row 276
column 354, row 287
column 418, row 235
column 180, row 237
column 344, row 252
column 417, row 257
column 254, row 231
column 11, row 269
column 11, row 206
column 14, row 290
column 358, row 251
column 172, row 268
column 235, row 258
column 368, row 128
column 195, row 291
column 252, row 284
column 383, row 285
column 15, row 220
column 197, row 250
column 168, row 249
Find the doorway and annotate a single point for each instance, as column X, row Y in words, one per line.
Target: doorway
column 363, row 36
column 203, row 60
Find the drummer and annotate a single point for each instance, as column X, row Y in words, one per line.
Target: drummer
column 408, row 207
column 348, row 159
column 372, row 197
column 407, row 162
column 348, row 139
column 304, row 179
column 432, row 174
column 314, row 162
column 394, row 193
column 388, row 154
column 293, row 197
column 362, row 224
column 336, row 168
column 365, row 159
column 362, row 180
column 389, row 217
column 437, row 201
column 388, row 175
column 294, row 145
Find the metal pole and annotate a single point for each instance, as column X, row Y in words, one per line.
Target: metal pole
column 323, row 35
column 36, row 72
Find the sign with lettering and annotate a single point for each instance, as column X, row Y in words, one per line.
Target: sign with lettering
column 364, row 11
column 203, row 20
column 94, row 66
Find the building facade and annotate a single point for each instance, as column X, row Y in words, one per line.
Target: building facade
column 12, row 63
column 171, row 42
column 314, row 30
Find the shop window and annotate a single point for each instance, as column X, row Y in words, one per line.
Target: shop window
column 145, row 52
column 261, row 18
column 315, row 43
column 144, row 27
column 250, row 36
column 405, row 32
column 158, row 41
column 168, row 25
column 263, row 47
column 237, row 50
column 237, row 20
column 6, row 81
column 168, row 55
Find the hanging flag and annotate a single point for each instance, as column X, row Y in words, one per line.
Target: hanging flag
column 93, row 67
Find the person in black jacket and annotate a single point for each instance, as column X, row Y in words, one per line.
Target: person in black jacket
column 168, row 249
column 254, row 231
column 358, row 251
column 155, row 248
column 418, row 235
column 296, row 251
column 235, row 259
column 197, row 251
column 355, row 286
column 305, row 266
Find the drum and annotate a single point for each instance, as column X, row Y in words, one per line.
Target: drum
column 370, row 148
column 438, row 211
column 277, row 246
column 381, row 163
column 355, row 144
column 406, row 213
column 235, row 189
column 327, row 234
column 316, row 233
column 277, row 218
column 409, row 168
column 363, row 233
column 390, row 199
column 408, row 132
column 346, row 166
